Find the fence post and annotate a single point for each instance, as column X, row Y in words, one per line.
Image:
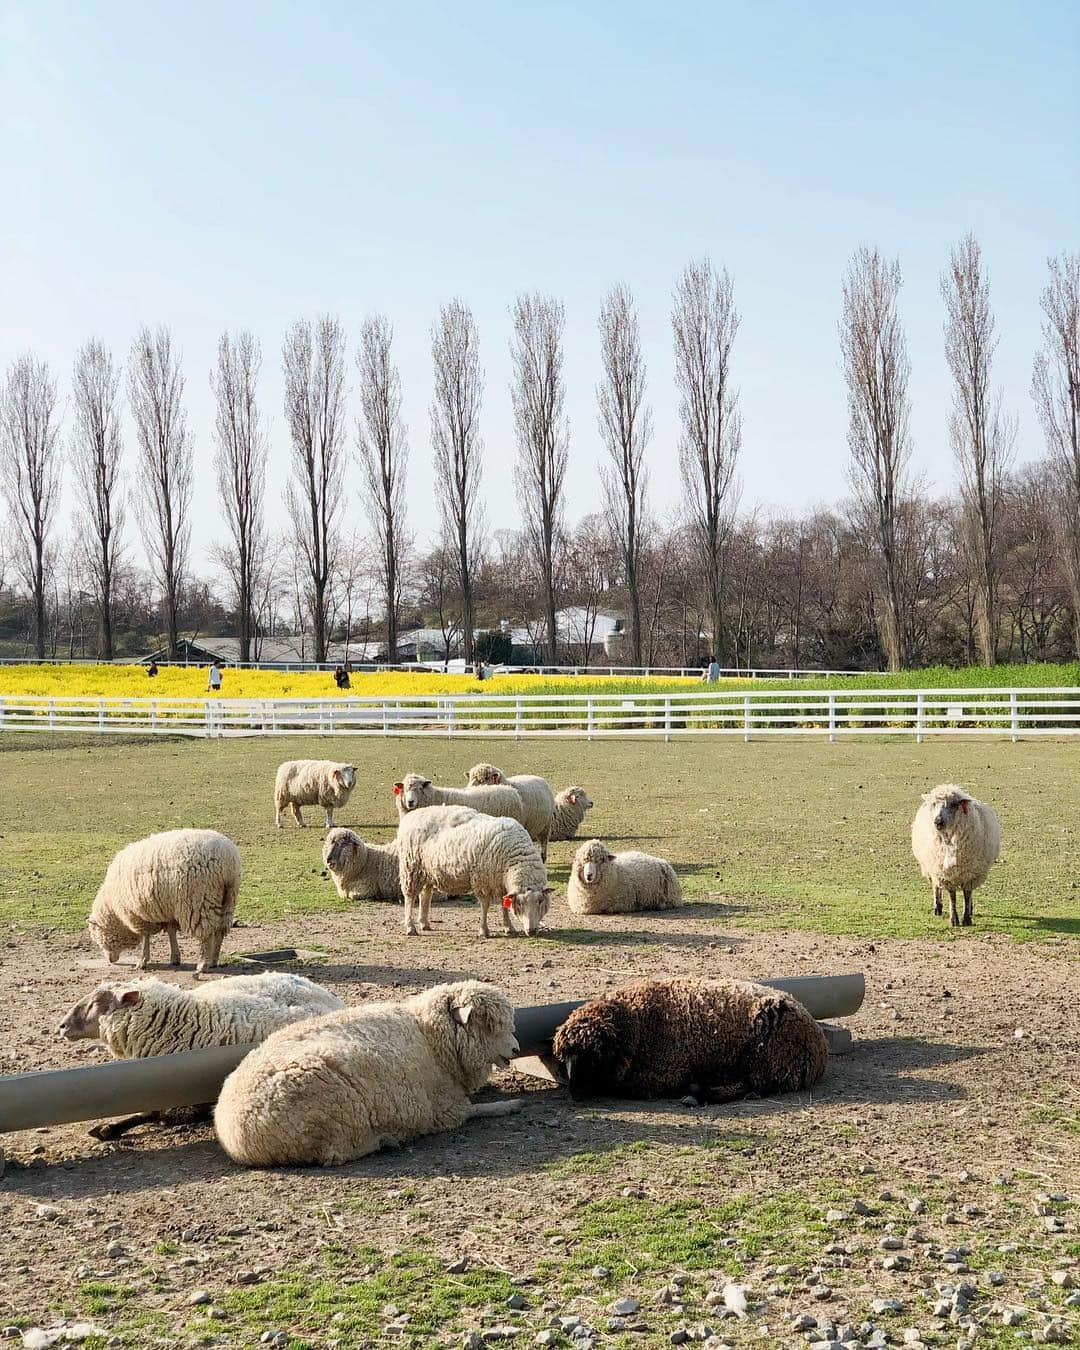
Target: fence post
column 588, row 718
column 1014, row 715
column 832, row 715
column 153, row 714
column 667, row 718
column 517, row 718
column 920, row 720
column 101, row 714
column 1, row 714
column 747, row 719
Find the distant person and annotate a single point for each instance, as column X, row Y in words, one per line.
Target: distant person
column 478, row 670
column 341, row 677
column 711, row 673
column 213, row 683
column 151, row 670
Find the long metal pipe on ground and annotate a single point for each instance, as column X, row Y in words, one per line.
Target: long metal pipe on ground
column 125, row 1086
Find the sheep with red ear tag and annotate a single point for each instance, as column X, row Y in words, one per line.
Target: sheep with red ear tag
column 956, row 839
column 570, row 807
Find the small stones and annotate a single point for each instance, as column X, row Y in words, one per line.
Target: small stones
column 891, row 1244
column 114, row 1250
column 835, row 1216
column 274, row 1337
column 199, row 1298
column 822, row 1293
column 601, row 1273
column 917, row 1206
column 1053, row 1223
column 1062, row 1278
column 46, row 1213
column 804, row 1322
column 517, row 1302
column 886, row 1305
column 1012, row 1317
column 679, row 1337
column 625, row 1307
column 545, row 1337
column 995, row 1278
column 896, row 1262
column 1054, row 1333
column 458, row 1267
column 861, row 1208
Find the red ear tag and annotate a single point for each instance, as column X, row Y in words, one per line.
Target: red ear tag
column 963, row 807
column 508, row 902
column 397, row 789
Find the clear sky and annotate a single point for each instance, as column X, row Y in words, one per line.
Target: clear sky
column 226, row 165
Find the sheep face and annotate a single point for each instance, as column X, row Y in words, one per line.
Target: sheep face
column 83, row 1022
column 947, row 809
column 591, row 1055
column 484, row 775
column 345, row 776
column 591, row 860
column 577, row 796
column 412, row 791
column 529, row 908
column 484, row 1026
column 112, row 937
column 340, row 846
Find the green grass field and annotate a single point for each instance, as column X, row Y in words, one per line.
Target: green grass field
column 800, row 834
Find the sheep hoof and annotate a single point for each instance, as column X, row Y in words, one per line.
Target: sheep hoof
column 411, row 931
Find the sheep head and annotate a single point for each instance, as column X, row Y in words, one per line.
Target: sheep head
column 340, row 848
column 590, row 1052
column 529, row 906
column 484, row 775
column 947, row 803
column 412, row 791
column 83, row 1022
column 590, row 861
column 345, row 776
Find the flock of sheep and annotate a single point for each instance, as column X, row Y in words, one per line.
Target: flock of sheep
column 326, row 1083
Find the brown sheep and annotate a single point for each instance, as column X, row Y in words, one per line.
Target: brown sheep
column 716, row 1040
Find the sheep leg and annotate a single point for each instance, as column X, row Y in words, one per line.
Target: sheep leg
column 176, row 1115
column 296, row 814
column 718, row 1093
column 425, row 909
column 485, row 932
column 954, row 917
column 543, row 845
column 210, row 950
column 329, row 817
column 144, row 960
column 278, row 821
column 508, row 1107
column 969, row 917
column 507, row 925
column 937, row 901
column 174, row 946
column 410, row 920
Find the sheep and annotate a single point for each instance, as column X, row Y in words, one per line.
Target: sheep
column 180, row 881
column 152, row 1017
column 498, row 799
column 362, row 871
column 312, row 782
column 491, row 857
column 332, row 1089
column 536, row 796
column 570, row 807
column 955, row 840
column 602, row 882
column 717, row 1040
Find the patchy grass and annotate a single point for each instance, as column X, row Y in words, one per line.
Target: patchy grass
column 789, row 834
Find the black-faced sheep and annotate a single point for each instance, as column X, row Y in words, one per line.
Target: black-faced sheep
column 312, row 782
column 602, row 882
column 717, row 1040
column 955, row 840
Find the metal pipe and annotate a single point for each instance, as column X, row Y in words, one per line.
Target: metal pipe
column 125, row 1086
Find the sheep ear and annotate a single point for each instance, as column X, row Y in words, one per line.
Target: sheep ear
column 426, row 783
column 398, row 789
column 570, row 1067
column 338, row 775
column 573, row 799
column 130, row 998
column 461, row 1014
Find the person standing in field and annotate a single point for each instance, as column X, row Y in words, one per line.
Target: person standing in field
column 711, row 674
column 213, row 683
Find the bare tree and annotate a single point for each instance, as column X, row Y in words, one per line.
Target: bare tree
column 705, row 322
column 30, row 475
column 543, row 437
column 876, row 370
column 95, row 457
column 314, row 360
column 1055, row 387
column 156, row 391
column 626, row 426
column 455, row 433
column 982, row 436
column 240, row 464
column 384, row 454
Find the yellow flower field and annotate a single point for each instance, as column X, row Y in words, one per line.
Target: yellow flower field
column 108, row 681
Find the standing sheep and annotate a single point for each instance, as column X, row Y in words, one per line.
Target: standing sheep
column 180, row 881
column 955, row 840
column 415, row 791
column 152, row 1017
column 536, row 796
column 718, row 1040
column 570, row 807
column 335, row 1088
column 312, row 782
column 362, row 871
column 602, row 882
column 440, row 848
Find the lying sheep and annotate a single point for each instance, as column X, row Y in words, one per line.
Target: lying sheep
column 181, row 881
column 362, row 871
column 570, row 807
column 335, row 1088
column 415, row 791
column 717, row 1040
column 602, row 882
column 312, row 782
column 955, row 840
column 536, row 796
column 459, row 851
column 151, row 1017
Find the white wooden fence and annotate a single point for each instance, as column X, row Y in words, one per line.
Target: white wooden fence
column 832, row 713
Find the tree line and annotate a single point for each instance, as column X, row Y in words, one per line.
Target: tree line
column 891, row 576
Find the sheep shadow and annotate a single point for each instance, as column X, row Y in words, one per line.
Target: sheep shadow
column 389, row 977
column 627, row 937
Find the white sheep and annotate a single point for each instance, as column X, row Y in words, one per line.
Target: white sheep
column 570, row 807
column 312, row 782
column 602, row 882
column 536, row 796
column 955, row 840
column 491, row 857
column 362, row 871
column 332, row 1089
column 151, row 1017
column 415, row 791
column 180, row 881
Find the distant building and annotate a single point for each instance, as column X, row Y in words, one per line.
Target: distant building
column 274, row 653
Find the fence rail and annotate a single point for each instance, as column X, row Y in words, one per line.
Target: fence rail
column 921, row 713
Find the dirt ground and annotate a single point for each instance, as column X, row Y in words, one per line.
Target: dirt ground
column 959, row 1096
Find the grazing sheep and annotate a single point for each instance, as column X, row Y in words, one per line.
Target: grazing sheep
column 415, row 791
column 955, row 840
column 332, row 1089
column 151, row 1017
column 362, row 871
column 180, row 881
column 312, row 782
column 570, row 807
column 718, row 1040
column 452, row 849
column 602, row 882
column 536, row 796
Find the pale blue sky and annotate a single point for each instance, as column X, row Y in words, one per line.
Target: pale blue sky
column 214, row 165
